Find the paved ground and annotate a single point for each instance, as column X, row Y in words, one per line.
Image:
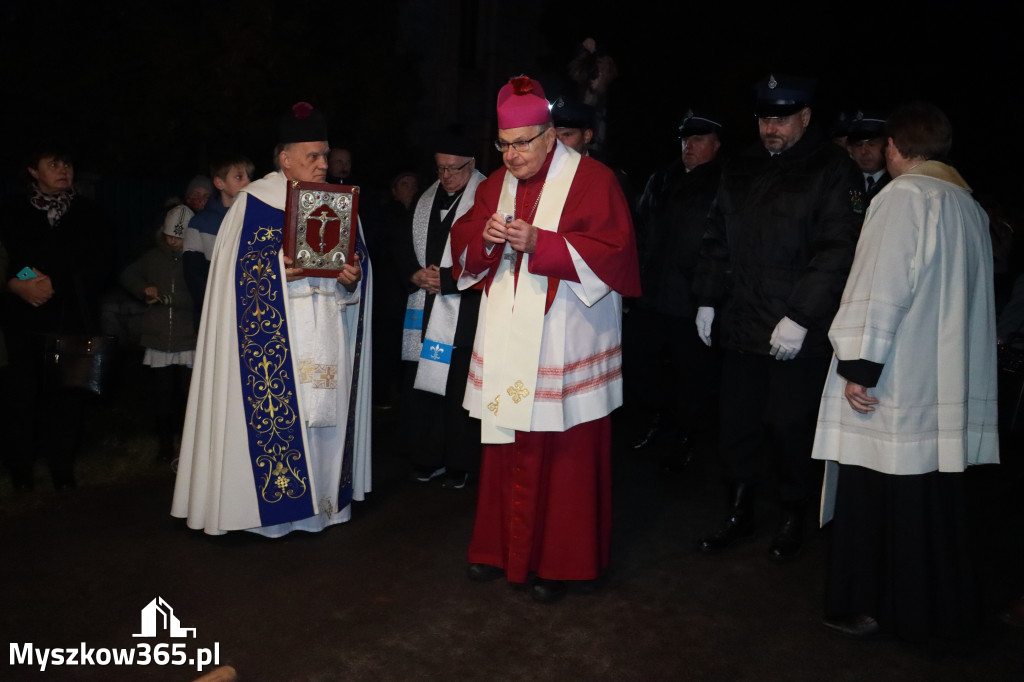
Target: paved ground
column 385, row 597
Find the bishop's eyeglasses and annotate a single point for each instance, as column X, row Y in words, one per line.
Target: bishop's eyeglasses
column 523, row 146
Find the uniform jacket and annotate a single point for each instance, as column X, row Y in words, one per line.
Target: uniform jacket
column 671, row 218
column 780, row 239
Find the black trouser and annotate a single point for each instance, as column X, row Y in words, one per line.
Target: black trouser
column 36, row 418
column 441, row 431
column 667, row 369
column 770, row 406
column 170, row 394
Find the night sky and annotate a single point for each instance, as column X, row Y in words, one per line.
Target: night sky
column 151, row 91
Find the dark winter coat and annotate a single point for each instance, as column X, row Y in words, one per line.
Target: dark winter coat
column 166, row 325
column 671, row 218
column 780, row 241
column 71, row 253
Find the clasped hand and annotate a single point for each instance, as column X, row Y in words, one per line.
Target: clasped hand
column 521, row 235
column 428, row 279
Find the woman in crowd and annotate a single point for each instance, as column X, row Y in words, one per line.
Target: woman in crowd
column 55, row 266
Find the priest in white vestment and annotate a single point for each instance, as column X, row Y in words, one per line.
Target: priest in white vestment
column 910, row 399
column 277, row 434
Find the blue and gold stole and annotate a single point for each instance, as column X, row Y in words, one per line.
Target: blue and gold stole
column 279, row 461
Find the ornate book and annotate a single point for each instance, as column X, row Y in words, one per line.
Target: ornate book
column 320, row 224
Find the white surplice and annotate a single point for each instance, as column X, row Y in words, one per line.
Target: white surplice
column 919, row 301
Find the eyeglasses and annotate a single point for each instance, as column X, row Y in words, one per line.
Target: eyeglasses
column 441, row 170
column 523, row 146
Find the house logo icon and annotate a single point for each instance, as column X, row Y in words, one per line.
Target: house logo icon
column 158, row 617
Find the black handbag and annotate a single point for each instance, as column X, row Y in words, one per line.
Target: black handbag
column 78, row 361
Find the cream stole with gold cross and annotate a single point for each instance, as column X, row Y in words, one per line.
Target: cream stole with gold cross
column 515, row 312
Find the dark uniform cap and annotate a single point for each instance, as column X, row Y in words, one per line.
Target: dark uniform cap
column 302, row 123
column 453, row 140
column 568, row 113
column 699, row 122
column 866, row 126
column 782, row 95
column 840, row 125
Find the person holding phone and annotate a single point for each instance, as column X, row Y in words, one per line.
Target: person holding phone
column 54, row 271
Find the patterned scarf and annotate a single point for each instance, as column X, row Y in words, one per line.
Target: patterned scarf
column 55, row 205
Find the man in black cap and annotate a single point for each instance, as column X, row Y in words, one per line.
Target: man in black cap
column 866, row 142
column 662, row 352
column 574, row 123
column 275, row 438
column 440, row 323
column 839, row 129
column 779, row 244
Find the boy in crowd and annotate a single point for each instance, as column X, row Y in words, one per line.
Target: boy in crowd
column 230, row 174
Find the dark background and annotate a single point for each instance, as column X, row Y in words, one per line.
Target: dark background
column 149, row 92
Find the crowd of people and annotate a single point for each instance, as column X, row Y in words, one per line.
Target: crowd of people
column 832, row 288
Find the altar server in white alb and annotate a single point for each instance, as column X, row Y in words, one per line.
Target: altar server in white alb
column 277, row 432
column 910, row 399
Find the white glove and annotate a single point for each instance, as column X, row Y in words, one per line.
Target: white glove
column 787, row 338
column 705, row 316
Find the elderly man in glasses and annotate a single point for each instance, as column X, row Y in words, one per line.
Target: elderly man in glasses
column 551, row 240
column 440, row 323
column 277, row 429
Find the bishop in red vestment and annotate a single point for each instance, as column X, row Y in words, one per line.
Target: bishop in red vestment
column 550, row 240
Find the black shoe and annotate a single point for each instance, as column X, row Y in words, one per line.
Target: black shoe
column 855, row 627
column 646, row 438
column 455, row 480
column 424, row 474
column 735, row 529
column 648, row 435
column 548, row 591
column 739, row 525
column 789, row 539
column 483, row 573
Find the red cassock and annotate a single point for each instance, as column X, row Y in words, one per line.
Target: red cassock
column 544, row 502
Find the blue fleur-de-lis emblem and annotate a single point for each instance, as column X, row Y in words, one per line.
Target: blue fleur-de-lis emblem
column 436, row 351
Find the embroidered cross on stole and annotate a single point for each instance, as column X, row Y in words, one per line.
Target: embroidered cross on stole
column 515, row 314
